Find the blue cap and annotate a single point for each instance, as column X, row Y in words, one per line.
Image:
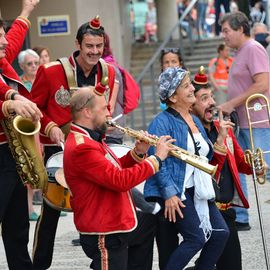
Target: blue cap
column 169, row 80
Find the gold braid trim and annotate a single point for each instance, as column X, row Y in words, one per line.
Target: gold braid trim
column 49, row 127
column 154, row 162
column 25, row 20
column 221, row 149
column 5, row 108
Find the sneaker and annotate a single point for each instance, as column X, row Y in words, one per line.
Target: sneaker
column 76, row 242
column 242, row 226
column 63, row 214
column 33, row 216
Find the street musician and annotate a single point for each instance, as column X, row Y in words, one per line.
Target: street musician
column 111, row 233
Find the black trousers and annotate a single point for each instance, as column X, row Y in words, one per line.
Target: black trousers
column 123, row 251
column 45, row 228
column 14, row 215
column 231, row 256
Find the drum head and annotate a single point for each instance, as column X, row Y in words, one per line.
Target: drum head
column 120, row 149
column 56, row 160
column 60, row 177
column 55, row 164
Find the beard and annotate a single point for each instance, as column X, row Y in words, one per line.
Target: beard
column 102, row 129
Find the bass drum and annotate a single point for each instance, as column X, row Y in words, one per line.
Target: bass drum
column 57, row 195
column 120, row 150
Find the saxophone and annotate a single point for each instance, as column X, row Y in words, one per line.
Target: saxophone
column 29, row 163
column 199, row 162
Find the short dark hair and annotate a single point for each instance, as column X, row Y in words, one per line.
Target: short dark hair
column 200, row 86
column 220, row 47
column 237, row 20
column 174, row 51
column 1, row 23
column 86, row 29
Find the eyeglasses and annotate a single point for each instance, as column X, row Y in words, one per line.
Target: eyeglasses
column 29, row 64
column 170, row 50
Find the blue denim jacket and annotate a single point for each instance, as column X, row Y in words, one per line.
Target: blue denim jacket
column 170, row 179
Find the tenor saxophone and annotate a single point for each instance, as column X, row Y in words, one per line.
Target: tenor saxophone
column 29, row 163
column 182, row 154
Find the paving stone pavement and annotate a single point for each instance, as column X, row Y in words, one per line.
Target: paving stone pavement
column 67, row 257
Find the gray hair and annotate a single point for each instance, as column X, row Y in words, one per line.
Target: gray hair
column 23, row 54
column 236, row 20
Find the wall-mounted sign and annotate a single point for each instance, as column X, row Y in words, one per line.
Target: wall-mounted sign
column 53, row 25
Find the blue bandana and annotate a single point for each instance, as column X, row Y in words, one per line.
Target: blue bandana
column 169, row 80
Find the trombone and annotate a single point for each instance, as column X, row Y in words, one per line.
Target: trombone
column 255, row 157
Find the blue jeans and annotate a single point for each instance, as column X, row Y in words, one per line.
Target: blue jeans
column 261, row 137
column 194, row 239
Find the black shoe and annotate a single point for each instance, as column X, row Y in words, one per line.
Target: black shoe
column 242, row 226
column 76, row 242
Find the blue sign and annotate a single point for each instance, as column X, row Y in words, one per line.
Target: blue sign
column 53, row 25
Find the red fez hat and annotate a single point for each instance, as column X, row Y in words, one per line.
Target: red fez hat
column 95, row 23
column 201, row 77
column 100, row 88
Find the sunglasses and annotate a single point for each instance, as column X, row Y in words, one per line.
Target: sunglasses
column 170, row 50
column 29, row 64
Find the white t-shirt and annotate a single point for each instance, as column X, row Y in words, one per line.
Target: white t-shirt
column 203, row 148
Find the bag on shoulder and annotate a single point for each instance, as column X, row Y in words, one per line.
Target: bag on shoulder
column 131, row 92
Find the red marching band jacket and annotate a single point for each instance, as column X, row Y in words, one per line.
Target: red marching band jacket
column 237, row 164
column 100, row 182
column 46, row 91
column 15, row 38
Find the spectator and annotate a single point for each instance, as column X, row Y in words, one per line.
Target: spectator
column 249, row 75
column 44, row 54
column 29, row 63
column 151, row 22
column 261, row 34
column 226, row 5
column 257, row 13
column 201, row 14
column 219, row 72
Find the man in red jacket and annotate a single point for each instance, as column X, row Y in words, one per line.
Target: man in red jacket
column 54, row 85
column 227, row 176
column 104, row 212
column 13, row 199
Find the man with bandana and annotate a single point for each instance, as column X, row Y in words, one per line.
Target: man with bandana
column 54, row 84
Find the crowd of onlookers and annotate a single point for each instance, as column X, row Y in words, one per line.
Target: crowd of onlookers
column 201, row 22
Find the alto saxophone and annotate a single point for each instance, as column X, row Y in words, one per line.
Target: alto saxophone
column 182, row 154
column 29, row 163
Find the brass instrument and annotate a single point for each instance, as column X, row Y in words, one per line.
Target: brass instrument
column 29, row 163
column 255, row 157
column 182, row 154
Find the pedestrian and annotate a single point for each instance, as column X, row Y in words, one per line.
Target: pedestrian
column 176, row 187
column 248, row 75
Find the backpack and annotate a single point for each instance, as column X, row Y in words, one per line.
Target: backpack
column 131, row 92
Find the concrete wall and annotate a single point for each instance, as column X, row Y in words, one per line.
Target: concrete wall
column 114, row 16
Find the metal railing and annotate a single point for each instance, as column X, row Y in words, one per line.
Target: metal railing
column 148, row 72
